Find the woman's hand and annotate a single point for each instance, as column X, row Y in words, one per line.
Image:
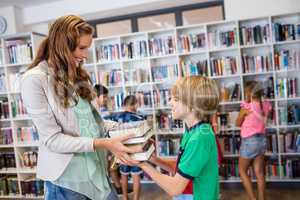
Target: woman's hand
column 120, row 151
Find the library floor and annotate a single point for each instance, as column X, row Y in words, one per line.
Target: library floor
column 153, row 192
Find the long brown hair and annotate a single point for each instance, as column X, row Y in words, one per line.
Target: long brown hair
column 63, row 38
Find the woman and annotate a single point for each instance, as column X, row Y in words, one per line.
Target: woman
column 56, row 91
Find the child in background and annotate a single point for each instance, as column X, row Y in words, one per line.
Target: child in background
column 252, row 120
column 193, row 99
column 103, row 108
column 129, row 115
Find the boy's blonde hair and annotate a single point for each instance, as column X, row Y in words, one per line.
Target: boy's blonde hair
column 200, row 94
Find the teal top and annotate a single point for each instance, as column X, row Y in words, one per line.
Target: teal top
column 87, row 171
column 199, row 161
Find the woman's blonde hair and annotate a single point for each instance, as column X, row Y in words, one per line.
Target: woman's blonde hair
column 199, row 93
column 63, row 38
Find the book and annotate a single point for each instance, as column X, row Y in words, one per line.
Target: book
column 141, row 131
column 148, row 149
column 108, row 52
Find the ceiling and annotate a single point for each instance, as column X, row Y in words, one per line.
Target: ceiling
column 24, row 3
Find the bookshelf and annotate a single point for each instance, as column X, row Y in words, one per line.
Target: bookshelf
column 19, row 140
column 265, row 49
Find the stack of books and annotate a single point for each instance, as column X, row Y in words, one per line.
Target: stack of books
column 142, row 133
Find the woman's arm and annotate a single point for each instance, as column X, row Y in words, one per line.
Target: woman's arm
column 173, row 185
column 50, row 131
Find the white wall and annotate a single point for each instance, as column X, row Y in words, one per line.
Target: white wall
column 9, row 14
column 241, row 9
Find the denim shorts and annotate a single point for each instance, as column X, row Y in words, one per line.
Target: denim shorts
column 183, row 197
column 55, row 192
column 253, row 146
column 126, row 170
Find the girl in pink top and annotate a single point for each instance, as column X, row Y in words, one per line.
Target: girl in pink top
column 252, row 120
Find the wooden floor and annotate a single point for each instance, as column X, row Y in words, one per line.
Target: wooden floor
column 153, row 192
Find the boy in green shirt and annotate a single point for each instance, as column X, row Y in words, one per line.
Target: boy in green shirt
column 194, row 99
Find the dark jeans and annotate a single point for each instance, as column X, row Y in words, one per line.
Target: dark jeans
column 54, row 192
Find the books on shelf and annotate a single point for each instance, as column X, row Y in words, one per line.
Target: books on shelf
column 230, row 144
column 144, row 98
column 286, row 59
column 191, row 42
column 164, row 121
column 285, row 32
column 290, row 142
column 287, row 87
column 135, row 76
column 161, row 97
column 222, row 39
column 7, row 160
column 272, row 143
column 135, row 49
column 188, row 67
column 230, row 93
column 227, row 120
column 289, row 114
column 1, row 57
column 163, row 72
column 161, row 46
column 168, row 146
column 116, row 101
column 15, row 81
column 258, row 34
column 28, row 159
column 110, row 78
column 4, row 108
column 6, row 136
column 19, row 51
column 110, row 52
column 251, row 64
column 93, row 77
column 291, row 168
column 27, row 134
column 17, row 107
column 32, row 187
column 9, row 186
column 3, row 87
column 223, row 66
column 269, row 89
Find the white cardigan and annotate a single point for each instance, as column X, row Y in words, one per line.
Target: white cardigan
column 57, row 127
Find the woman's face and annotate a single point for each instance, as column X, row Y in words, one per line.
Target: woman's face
column 81, row 51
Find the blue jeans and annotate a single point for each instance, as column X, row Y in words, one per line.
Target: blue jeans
column 126, row 170
column 54, row 192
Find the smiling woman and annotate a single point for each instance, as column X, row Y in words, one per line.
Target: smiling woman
column 57, row 93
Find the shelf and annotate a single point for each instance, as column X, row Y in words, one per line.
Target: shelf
column 286, row 42
column 202, row 51
column 289, row 126
column 108, row 62
column 230, row 103
column 287, row 70
column 290, row 154
column 135, row 59
column 21, row 118
column 255, row 45
column 21, row 197
column 17, row 64
column 3, row 146
column 27, row 171
column 163, row 56
column 212, row 50
column 288, row 99
column 225, row 76
column 29, row 144
column 169, row 132
column 8, row 171
column 257, row 73
column 5, row 120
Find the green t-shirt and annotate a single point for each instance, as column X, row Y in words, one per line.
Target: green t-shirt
column 198, row 161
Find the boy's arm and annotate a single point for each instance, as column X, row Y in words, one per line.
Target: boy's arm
column 173, row 185
column 166, row 164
